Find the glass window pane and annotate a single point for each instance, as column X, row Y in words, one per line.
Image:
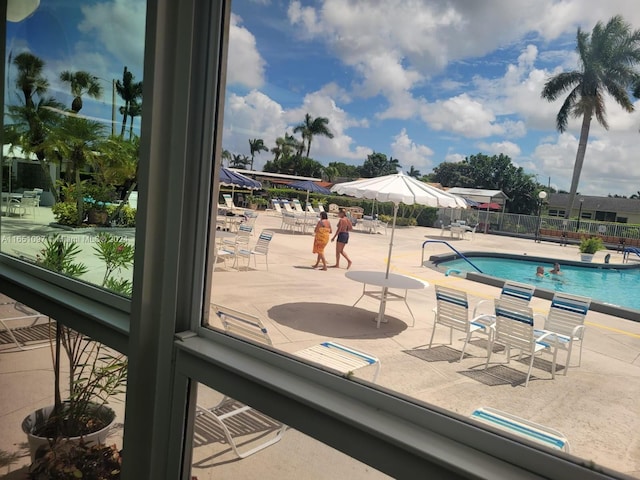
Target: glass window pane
column 223, row 424
column 73, row 106
column 282, row 300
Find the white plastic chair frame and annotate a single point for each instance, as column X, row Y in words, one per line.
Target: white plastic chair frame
column 261, row 248
column 520, row 293
column 522, row 427
column 565, row 321
column 248, row 327
column 514, row 329
column 452, row 311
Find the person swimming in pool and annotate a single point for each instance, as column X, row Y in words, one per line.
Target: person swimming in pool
column 540, row 272
column 556, row 269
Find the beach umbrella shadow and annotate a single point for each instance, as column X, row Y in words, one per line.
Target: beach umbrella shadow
column 333, row 320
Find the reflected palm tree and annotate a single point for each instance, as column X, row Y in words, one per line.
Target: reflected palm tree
column 129, row 91
column 81, row 83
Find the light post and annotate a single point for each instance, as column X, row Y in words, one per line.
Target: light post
column 579, row 215
column 541, row 196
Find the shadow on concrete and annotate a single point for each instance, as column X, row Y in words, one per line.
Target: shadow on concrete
column 333, row 320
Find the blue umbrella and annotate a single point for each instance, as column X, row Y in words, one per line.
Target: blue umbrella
column 310, row 186
column 229, row 178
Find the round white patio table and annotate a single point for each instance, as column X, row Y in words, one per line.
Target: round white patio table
column 392, row 281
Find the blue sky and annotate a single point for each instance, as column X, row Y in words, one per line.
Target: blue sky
column 422, row 81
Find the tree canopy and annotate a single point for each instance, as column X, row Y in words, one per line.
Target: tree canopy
column 492, row 173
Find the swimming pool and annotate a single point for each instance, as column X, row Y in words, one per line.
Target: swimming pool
column 605, row 284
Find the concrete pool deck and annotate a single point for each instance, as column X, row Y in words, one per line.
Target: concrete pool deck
column 595, row 405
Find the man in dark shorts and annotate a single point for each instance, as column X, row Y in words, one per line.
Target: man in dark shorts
column 342, row 233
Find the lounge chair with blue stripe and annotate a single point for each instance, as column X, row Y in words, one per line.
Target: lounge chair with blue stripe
column 514, row 329
column 233, row 418
column 452, row 311
column 521, row 427
column 513, row 291
column 566, row 321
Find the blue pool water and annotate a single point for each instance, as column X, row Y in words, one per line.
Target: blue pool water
column 613, row 286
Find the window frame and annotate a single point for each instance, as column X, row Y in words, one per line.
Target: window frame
column 170, row 350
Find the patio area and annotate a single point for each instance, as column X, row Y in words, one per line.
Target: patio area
column 595, row 405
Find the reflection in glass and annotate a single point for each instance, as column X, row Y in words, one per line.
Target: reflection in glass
column 73, row 106
column 286, row 451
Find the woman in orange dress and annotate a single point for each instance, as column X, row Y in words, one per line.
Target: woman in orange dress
column 322, row 233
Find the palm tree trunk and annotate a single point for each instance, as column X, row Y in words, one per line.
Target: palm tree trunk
column 577, row 167
column 80, row 201
column 124, row 119
column 308, row 146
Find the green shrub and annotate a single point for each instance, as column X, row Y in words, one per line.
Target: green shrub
column 427, row 216
column 590, row 245
column 65, row 213
column 126, row 217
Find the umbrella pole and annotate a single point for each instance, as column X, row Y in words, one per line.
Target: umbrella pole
column 383, row 297
column 393, row 229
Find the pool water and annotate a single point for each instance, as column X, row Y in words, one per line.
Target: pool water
column 606, row 285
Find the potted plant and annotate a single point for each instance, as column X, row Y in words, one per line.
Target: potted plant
column 588, row 247
column 95, row 373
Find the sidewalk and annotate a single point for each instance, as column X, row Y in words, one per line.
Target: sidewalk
column 595, row 405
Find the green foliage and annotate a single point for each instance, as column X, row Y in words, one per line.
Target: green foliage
column 377, row 165
column 116, row 254
column 590, row 245
column 65, row 213
column 427, row 217
column 493, row 173
column 125, row 218
column 59, row 255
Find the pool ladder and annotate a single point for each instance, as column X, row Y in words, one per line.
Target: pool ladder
column 452, row 248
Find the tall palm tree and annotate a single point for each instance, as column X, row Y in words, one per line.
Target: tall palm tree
column 312, row 127
column 78, row 140
column 32, row 119
column 226, row 155
column 81, row 83
column 129, row 91
column 30, row 80
column 607, row 59
column 256, row 146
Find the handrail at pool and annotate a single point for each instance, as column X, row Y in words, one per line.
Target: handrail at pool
column 452, row 248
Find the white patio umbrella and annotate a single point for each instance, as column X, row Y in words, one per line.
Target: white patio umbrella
column 399, row 188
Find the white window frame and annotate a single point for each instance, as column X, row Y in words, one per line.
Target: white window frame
column 169, row 351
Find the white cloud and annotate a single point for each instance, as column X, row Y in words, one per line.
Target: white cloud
column 410, row 153
column 119, row 27
column 496, row 148
column 246, row 66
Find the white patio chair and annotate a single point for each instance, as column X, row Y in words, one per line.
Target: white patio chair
column 310, row 209
column 235, row 419
column 514, row 329
column 287, row 207
column 23, row 326
column 522, row 427
column 261, row 249
column 277, row 207
column 513, row 291
column 292, row 222
column 452, row 311
column 242, row 237
column 297, row 206
column 29, row 202
column 565, row 321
